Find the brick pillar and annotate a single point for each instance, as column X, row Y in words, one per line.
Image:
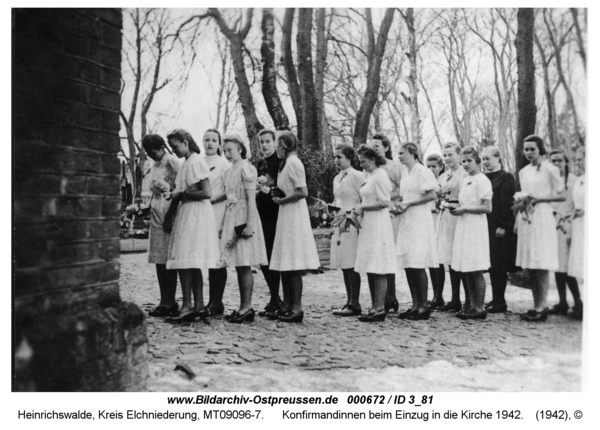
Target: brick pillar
column 71, row 331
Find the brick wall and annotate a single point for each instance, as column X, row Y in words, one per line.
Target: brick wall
column 71, row 330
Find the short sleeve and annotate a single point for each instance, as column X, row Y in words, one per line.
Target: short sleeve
column 249, row 177
column 197, row 171
column 484, row 188
column 358, row 180
column 427, row 181
column 558, row 184
column 296, row 172
column 383, row 187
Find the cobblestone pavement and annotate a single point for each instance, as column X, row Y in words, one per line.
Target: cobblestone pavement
column 328, row 353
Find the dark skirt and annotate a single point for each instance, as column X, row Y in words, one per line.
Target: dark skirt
column 503, row 250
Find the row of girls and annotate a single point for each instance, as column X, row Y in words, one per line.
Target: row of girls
column 214, row 212
column 454, row 216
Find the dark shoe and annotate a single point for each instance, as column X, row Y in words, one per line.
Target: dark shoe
column 436, row 304
column 270, row 308
column 392, row 305
column 214, row 310
column 373, row 316
column 417, row 316
column 489, row 304
column 576, row 311
column 497, row 309
column 290, row 317
column 450, row 307
column 473, row 315
column 189, row 316
column 406, row 313
column 538, row 317
column 348, row 311
column 559, row 309
column 163, row 311
column 240, row 318
column 275, row 314
column 231, row 315
column 530, row 312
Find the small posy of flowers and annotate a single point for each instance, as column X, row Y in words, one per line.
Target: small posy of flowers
column 444, row 201
column 265, row 183
column 160, row 186
column 523, row 205
column 138, row 209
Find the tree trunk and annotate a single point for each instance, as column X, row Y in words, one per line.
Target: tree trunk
column 363, row 117
column 551, row 122
column 310, row 119
column 269, row 78
column 580, row 42
column 415, row 119
column 526, row 83
column 290, row 70
column 322, row 127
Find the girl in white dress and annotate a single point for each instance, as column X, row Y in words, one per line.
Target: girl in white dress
column 294, row 248
column 537, row 242
column 471, row 249
column 162, row 175
column 241, row 237
column 346, row 189
column 563, row 212
column 217, row 165
column 376, row 250
column 577, row 255
column 194, row 243
column 435, row 163
column 394, row 170
column 450, row 182
column 416, row 246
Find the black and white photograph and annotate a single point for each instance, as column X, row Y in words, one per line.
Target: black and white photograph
column 302, row 199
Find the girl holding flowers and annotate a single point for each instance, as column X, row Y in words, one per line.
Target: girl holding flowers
column 537, row 242
column 162, row 179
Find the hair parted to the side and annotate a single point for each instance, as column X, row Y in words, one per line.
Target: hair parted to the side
column 181, row 135
column 347, row 151
column 469, row 151
column 234, row 138
column 439, row 160
column 564, row 156
column 386, row 144
column 153, row 142
column 413, row 149
column 214, row 130
column 371, row 153
column 538, row 141
column 267, row 131
column 289, row 141
column 452, row 145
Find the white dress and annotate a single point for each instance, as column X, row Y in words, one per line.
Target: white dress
column 163, row 171
column 376, row 251
column 294, row 246
column 537, row 241
column 416, row 245
column 241, row 251
column 395, row 170
column 194, row 243
column 471, row 249
column 450, row 182
column 217, row 166
column 577, row 256
column 563, row 231
column 346, row 189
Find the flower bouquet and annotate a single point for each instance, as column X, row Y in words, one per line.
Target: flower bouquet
column 265, row 183
column 523, row 205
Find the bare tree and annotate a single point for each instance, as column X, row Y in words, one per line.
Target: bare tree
column 310, row 119
column 579, row 33
column 290, row 70
column 413, row 55
column 323, row 134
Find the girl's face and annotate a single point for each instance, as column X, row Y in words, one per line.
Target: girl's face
column 267, row 144
column 232, row 152
column 435, row 167
column 280, row 149
column 559, row 161
column 156, row 154
column 469, row 164
column 451, row 158
column 404, row 156
column 531, row 152
column 367, row 163
column 180, row 148
column 490, row 162
column 378, row 145
column 211, row 142
column 341, row 162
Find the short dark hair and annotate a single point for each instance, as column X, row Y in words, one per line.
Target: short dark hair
column 371, row 153
column 438, row 159
column 347, row 151
column 153, row 142
column 214, row 130
column 234, row 138
column 471, row 151
column 538, row 141
column 267, row 131
column 386, row 143
column 181, row 135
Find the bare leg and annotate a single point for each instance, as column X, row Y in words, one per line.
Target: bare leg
column 287, row 293
column 186, row 278
column 246, row 286
column 476, row 285
column 541, row 292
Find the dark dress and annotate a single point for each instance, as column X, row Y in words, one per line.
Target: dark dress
column 268, row 210
column 503, row 250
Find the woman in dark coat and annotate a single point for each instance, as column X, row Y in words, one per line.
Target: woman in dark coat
column 501, row 223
